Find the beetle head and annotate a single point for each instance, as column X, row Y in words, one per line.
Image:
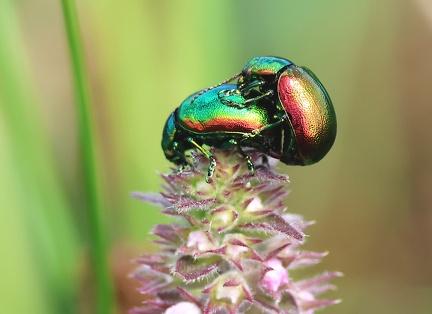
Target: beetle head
column 262, row 68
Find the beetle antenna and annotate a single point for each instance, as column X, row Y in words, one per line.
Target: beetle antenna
column 211, row 87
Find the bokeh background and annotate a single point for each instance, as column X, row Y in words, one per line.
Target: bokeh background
column 371, row 196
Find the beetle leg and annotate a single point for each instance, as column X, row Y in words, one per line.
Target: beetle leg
column 240, row 102
column 274, row 124
column 212, row 165
column 210, row 169
column 263, row 129
column 246, row 88
column 181, row 167
column 181, row 156
column 232, row 97
column 182, row 162
column 249, row 162
column 265, row 160
column 254, row 99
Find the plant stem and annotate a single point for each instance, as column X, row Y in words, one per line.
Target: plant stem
column 97, row 235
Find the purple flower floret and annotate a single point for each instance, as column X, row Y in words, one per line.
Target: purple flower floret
column 231, row 247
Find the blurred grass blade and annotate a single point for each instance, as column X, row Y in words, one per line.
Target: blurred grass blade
column 38, row 240
column 98, row 239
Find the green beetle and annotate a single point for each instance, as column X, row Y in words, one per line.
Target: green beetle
column 276, row 107
column 212, row 119
column 297, row 92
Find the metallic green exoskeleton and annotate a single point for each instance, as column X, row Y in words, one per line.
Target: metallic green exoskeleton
column 298, row 93
column 276, row 107
column 214, row 119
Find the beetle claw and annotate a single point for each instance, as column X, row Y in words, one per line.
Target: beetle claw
column 251, row 134
column 181, row 168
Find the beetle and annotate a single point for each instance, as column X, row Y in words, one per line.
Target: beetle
column 213, row 118
column 298, row 93
column 276, row 107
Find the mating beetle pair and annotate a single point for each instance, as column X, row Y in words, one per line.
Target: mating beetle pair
column 276, row 107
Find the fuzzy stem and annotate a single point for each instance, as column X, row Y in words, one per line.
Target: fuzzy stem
column 97, row 236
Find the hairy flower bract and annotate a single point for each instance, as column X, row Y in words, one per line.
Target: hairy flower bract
column 231, row 246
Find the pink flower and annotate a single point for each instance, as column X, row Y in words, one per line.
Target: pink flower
column 232, row 245
column 276, row 277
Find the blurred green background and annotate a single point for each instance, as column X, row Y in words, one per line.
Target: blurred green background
column 371, row 196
